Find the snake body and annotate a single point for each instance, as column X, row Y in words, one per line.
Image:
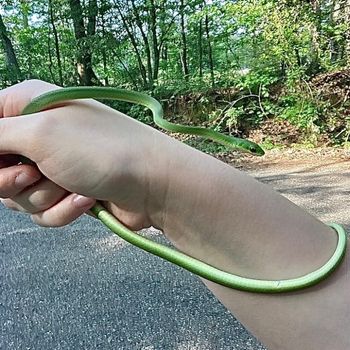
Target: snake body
column 187, row 262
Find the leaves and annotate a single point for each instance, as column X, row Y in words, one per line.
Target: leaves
column 251, row 45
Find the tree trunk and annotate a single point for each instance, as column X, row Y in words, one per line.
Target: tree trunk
column 155, row 47
column 133, row 41
column 315, row 64
column 184, row 64
column 200, row 44
column 347, row 34
column 341, row 15
column 50, row 55
column 57, row 48
column 84, row 57
column 104, row 56
column 333, row 50
column 10, row 56
column 146, row 44
column 25, row 9
column 210, row 52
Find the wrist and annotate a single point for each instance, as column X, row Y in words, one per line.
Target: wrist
column 160, row 172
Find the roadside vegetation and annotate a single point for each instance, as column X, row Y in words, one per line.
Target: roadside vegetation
column 277, row 72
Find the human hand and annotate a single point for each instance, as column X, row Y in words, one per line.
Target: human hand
column 81, row 147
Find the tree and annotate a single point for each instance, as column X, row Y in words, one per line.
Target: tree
column 183, row 54
column 210, row 51
column 14, row 72
column 83, row 37
column 147, row 25
column 57, row 48
column 173, row 44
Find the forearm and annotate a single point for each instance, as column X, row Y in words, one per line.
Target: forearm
column 227, row 219
column 213, row 208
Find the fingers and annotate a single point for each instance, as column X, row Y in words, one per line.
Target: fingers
column 14, row 179
column 48, row 203
column 36, row 198
column 64, row 212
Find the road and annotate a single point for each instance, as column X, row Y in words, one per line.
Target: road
column 81, row 287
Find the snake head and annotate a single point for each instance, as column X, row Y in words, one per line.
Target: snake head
column 254, row 149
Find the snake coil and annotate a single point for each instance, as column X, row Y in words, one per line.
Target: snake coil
column 176, row 257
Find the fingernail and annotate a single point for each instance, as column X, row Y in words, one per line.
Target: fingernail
column 81, row 201
column 23, row 180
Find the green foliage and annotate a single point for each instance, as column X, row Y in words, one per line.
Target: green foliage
column 269, row 144
column 256, row 47
column 205, row 146
column 242, row 117
column 141, row 114
column 258, row 81
column 299, row 111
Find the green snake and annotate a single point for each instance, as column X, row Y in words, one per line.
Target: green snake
column 187, row 262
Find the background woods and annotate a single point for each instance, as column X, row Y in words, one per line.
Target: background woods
column 276, row 71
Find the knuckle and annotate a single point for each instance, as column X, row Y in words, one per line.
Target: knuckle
column 45, row 195
column 14, row 179
column 7, row 187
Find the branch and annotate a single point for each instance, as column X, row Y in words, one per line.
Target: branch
column 231, row 104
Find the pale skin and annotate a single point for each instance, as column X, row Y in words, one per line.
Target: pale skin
column 86, row 151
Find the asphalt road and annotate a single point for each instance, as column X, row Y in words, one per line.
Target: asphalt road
column 81, row 287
